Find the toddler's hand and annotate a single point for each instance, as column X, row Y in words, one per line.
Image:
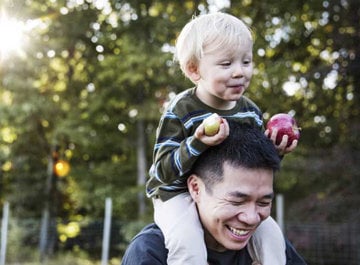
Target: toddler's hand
column 215, row 139
column 281, row 147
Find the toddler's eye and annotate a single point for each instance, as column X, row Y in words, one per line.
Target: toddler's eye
column 226, row 63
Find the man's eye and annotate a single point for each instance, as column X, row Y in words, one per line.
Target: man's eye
column 264, row 203
column 236, row 203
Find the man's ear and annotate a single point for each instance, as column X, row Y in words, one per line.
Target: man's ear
column 192, row 71
column 194, row 184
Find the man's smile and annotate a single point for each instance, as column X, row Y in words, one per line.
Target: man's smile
column 238, row 232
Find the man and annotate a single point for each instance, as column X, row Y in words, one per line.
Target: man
column 231, row 185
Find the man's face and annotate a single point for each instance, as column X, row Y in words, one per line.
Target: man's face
column 236, row 206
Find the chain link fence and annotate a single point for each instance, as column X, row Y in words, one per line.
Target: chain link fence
column 326, row 244
column 318, row 243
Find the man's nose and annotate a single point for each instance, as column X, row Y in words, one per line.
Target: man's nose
column 250, row 216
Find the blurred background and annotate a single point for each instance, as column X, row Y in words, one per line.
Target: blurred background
column 82, row 87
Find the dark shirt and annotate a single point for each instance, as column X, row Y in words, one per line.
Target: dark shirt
column 148, row 248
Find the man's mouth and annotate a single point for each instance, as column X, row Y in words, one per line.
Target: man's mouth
column 238, row 232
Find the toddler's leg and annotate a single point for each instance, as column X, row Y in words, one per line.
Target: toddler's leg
column 180, row 224
column 267, row 245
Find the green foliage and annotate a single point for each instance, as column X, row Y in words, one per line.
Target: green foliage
column 16, row 251
column 90, row 73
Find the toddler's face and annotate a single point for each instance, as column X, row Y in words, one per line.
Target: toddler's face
column 224, row 74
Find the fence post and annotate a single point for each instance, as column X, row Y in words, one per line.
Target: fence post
column 4, row 228
column 280, row 211
column 44, row 233
column 106, row 233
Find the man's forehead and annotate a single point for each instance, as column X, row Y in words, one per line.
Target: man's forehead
column 239, row 194
column 238, row 179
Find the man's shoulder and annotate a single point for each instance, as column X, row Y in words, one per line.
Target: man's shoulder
column 150, row 231
column 149, row 234
column 147, row 247
column 292, row 256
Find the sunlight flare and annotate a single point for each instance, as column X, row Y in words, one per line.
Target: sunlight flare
column 11, row 35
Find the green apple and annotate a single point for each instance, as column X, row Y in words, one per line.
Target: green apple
column 212, row 124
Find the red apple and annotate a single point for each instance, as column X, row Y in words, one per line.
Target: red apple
column 285, row 124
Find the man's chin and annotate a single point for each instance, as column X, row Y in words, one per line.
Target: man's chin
column 224, row 245
column 236, row 246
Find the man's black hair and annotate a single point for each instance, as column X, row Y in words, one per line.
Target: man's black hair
column 246, row 146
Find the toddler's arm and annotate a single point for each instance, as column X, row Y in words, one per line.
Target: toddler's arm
column 175, row 152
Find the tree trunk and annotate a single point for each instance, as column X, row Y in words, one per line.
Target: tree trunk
column 141, row 166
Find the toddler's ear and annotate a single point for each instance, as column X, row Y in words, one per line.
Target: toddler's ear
column 192, row 72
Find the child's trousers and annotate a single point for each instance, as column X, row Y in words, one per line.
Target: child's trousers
column 184, row 237
column 183, row 233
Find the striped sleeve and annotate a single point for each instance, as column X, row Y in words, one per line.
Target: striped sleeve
column 174, row 151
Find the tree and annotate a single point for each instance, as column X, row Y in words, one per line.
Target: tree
column 94, row 78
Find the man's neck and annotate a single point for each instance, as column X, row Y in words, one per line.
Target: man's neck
column 212, row 244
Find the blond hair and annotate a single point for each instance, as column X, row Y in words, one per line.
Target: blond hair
column 208, row 33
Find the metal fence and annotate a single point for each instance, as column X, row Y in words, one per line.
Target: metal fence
column 326, row 244
column 318, row 243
